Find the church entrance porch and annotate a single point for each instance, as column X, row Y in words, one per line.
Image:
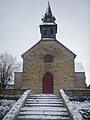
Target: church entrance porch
column 48, row 84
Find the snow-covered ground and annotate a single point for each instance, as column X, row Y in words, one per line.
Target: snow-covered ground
column 80, row 110
column 17, row 106
column 5, row 106
column 82, row 107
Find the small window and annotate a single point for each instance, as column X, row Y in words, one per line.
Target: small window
column 51, row 31
column 45, row 32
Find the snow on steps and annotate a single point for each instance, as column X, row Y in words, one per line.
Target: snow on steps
column 43, row 107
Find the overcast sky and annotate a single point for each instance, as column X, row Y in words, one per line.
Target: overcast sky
column 20, row 20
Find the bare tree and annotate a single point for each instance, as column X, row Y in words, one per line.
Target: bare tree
column 8, row 65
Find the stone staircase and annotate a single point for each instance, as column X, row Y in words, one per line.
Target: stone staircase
column 43, row 107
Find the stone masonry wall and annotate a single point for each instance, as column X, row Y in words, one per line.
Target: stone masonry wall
column 34, row 67
column 18, row 80
column 80, row 80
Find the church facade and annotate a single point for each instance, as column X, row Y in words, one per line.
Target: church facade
column 49, row 66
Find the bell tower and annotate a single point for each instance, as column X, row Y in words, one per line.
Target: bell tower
column 48, row 28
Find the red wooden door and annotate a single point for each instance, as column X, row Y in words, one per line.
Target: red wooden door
column 48, row 83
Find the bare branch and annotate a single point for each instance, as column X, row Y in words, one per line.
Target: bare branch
column 8, row 64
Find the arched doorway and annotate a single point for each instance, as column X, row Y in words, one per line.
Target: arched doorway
column 48, row 83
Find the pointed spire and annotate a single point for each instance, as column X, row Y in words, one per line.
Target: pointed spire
column 48, row 15
column 48, row 28
column 48, row 11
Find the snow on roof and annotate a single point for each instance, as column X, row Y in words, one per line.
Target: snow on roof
column 11, row 82
column 46, row 23
column 79, row 67
column 48, row 39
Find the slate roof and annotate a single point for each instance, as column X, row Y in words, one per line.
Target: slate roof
column 47, row 40
column 79, row 67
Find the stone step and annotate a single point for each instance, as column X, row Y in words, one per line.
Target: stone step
column 43, row 107
column 42, row 117
column 46, row 105
column 42, row 95
column 43, row 101
column 43, row 112
column 46, row 95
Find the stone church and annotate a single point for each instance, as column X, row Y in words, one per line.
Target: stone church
column 49, row 66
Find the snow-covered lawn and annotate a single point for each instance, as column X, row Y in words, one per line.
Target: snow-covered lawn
column 5, row 106
column 17, row 106
column 80, row 110
column 82, row 107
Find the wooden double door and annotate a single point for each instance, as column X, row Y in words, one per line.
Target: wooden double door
column 48, row 83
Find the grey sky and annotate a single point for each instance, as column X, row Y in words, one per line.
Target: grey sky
column 20, row 19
